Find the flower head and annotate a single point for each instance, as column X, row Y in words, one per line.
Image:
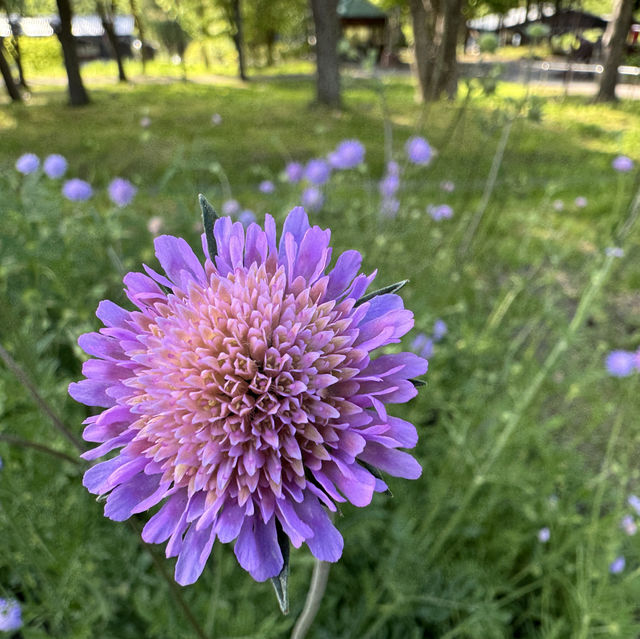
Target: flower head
column 121, row 192
column 267, row 186
column 27, row 163
column 418, row 151
column 422, row 345
column 544, row 534
column 620, row 363
column 390, row 207
column 155, row 224
column 439, row 330
column 558, row 205
column 440, row 212
column 10, row 615
column 246, row 217
column 312, row 198
column 294, row 172
column 629, row 525
column 55, row 166
column 447, row 186
column 581, row 201
column 347, row 155
column 389, row 185
column 145, row 122
column 244, row 393
column 230, row 207
column 77, row 190
column 614, row 251
column 317, row 172
column 216, row 119
column 622, row 164
column 617, row 565
column 634, row 502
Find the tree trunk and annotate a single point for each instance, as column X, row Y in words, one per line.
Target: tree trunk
column 445, row 78
column 327, row 27
column 107, row 25
column 238, row 39
column 77, row 93
column 12, row 89
column 421, row 47
column 615, row 40
column 140, row 27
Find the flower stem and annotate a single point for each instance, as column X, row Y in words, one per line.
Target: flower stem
column 25, row 443
column 314, row 598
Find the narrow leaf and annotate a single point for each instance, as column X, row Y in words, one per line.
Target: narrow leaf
column 392, row 288
column 209, row 216
column 280, row 583
column 418, row 383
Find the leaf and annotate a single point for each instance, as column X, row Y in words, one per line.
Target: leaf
column 392, row 288
column 209, row 216
column 418, row 383
column 280, row 583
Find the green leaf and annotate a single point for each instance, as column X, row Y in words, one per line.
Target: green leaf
column 392, row 288
column 280, row 583
column 209, row 216
column 418, row 383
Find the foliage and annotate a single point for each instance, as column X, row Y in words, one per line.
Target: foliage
column 431, row 561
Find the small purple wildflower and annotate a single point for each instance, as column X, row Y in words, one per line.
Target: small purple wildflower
column 620, row 363
column 390, row 207
column 55, row 166
column 272, row 426
column 440, row 212
column 614, row 251
column 230, row 207
column 439, row 330
column 422, row 345
column 10, row 615
column 447, row 186
column 267, row 186
column 581, row 202
column 216, row 119
column 246, row 217
column 145, row 122
column 634, row 502
column 77, row 190
column 393, row 168
column 317, row 171
column 27, row 163
column 617, row 565
column 389, row 185
column 558, row 205
column 348, row 155
column 312, row 198
column 622, row 164
column 419, row 151
column 294, row 172
column 121, row 191
column 155, row 224
column 629, row 525
column 544, row 534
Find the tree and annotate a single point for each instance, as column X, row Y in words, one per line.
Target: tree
column 5, row 70
column 436, row 27
column 15, row 7
column 107, row 13
column 77, row 93
column 327, row 28
column 615, row 39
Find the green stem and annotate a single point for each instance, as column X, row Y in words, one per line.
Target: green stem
column 25, row 443
column 314, row 598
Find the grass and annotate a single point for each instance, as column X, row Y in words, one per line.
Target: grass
column 454, row 554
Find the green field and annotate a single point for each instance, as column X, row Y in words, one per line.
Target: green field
column 521, row 427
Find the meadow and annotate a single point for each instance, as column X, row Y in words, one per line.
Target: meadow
column 529, row 446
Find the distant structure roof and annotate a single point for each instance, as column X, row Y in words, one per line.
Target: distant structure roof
column 81, row 26
column 360, row 10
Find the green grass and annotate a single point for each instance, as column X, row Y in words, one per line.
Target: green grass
column 454, row 554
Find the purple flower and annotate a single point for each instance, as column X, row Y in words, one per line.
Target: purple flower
column 393, row 168
column 440, row 212
column 634, row 502
column 439, row 330
column 243, row 393
column 620, row 363
column 622, row 164
column 629, row 525
column 121, row 192
column 544, row 534
column 246, row 217
column 145, row 122
column 155, row 224
column 77, row 190
column 55, row 166
column 614, row 251
column 419, row 151
column 266, row 186
column 294, row 171
column 617, row 565
column 216, row 119
column 10, row 615
column 312, row 198
column 581, row 202
column 230, row 207
column 447, row 186
column 390, row 207
column 422, row 345
column 317, row 172
column 348, row 155
column 389, row 185
column 27, row 163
